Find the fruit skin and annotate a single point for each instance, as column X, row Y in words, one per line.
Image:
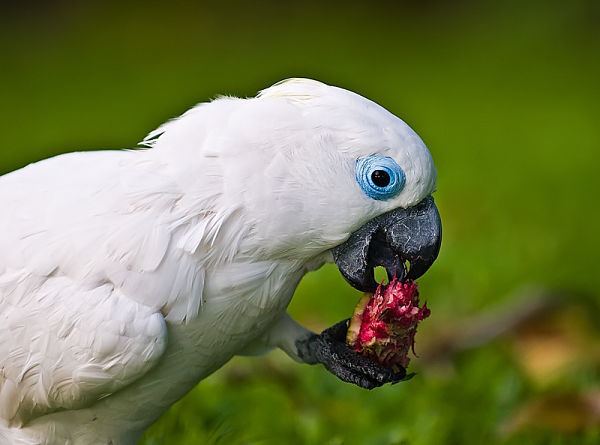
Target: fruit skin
column 384, row 324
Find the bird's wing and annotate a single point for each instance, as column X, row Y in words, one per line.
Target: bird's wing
column 70, row 331
column 95, row 248
column 65, row 346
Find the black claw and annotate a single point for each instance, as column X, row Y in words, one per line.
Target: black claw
column 337, row 332
column 405, row 378
column 330, row 349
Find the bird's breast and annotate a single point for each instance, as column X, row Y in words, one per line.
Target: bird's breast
column 240, row 302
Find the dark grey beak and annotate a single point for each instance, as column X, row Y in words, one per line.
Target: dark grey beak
column 392, row 240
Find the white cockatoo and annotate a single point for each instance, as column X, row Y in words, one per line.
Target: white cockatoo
column 126, row 277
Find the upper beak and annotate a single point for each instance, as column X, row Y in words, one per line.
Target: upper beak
column 392, row 240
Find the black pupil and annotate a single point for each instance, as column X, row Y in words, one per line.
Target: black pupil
column 380, row 178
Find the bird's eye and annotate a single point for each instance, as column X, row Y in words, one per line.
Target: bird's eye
column 379, row 177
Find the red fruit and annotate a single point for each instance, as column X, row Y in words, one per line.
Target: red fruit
column 384, row 324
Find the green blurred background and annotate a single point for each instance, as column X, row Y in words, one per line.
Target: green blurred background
column 507, row 97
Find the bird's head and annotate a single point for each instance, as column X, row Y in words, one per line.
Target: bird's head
column 317, row 169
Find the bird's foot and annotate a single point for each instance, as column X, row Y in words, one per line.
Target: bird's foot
column 330, row 349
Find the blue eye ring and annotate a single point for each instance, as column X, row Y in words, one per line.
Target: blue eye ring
column 372, row 174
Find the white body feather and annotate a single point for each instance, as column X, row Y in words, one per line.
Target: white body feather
column 128, row 276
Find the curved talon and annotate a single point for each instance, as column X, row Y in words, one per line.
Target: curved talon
column 330, row 349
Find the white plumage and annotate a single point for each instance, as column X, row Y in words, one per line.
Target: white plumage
column 128, row 276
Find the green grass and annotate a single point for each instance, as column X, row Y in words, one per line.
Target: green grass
column 505, row 95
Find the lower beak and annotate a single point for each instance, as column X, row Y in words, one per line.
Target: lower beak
column 405, row 242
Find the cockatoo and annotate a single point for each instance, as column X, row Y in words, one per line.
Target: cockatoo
column 126, row 277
